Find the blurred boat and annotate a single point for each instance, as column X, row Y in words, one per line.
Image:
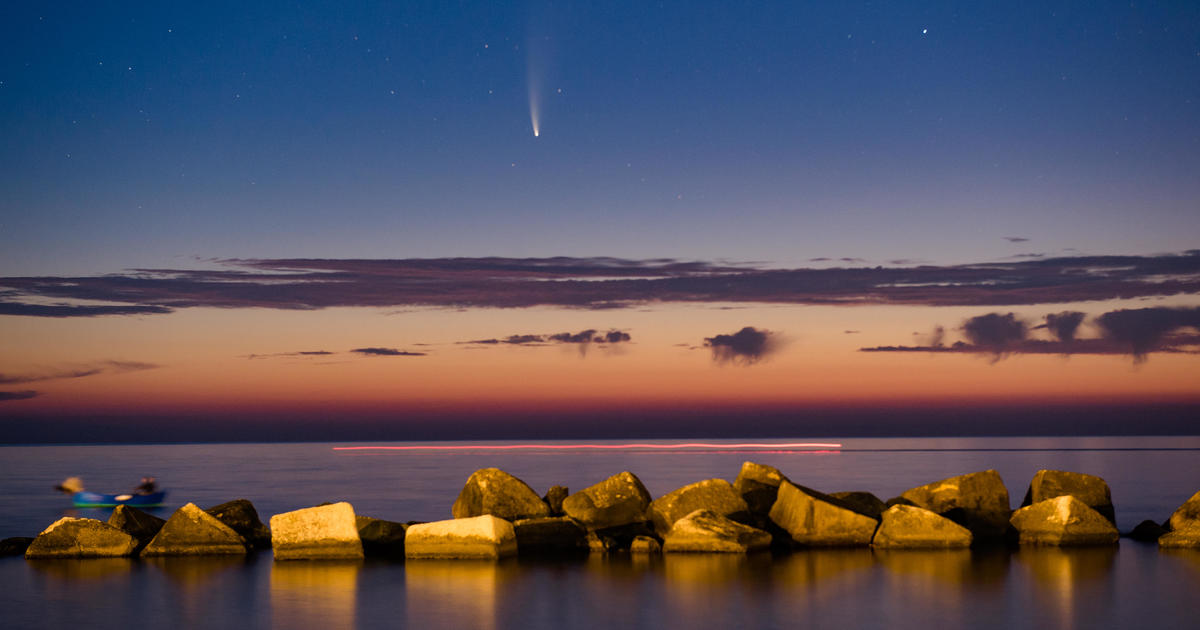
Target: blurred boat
column 95, row 499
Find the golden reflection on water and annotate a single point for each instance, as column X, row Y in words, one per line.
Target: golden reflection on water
column 816, row 567
column 314, row 593
column 946, row 566
column 1066, row 577
column 88, row 569
column 194, row 571
column 458, row 593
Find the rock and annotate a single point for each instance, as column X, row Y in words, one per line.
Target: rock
column 906, row 527
column 1188, row 513
column 322, row 532
column 618, row 500
column 1187, row 537
column 477, row 537
column 1147, row 531
column 554, row 499
column 815, row 519
column 977, row 501
column 142, row 526
column 758, row 485
column 602, row 544
column 645, row 545
column 193, row 532
column 1092, row 490
column 706, row 531
column 863, row 502
column 14, row 546
column 493, row 491
column 380, row 538
column 81, row 538
column 550, row 535
column 715, row 495
column 1063, row 521
column 240, row 515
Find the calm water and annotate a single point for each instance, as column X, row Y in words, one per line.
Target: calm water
column 1133, row 584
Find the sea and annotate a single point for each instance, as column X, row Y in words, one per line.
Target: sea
column 1129, row 585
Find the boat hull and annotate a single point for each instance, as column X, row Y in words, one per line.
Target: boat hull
column 95, row 499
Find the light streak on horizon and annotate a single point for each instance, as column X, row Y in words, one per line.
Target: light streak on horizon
column 577, row 447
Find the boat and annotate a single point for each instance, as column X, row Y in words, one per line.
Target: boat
column 95, row 499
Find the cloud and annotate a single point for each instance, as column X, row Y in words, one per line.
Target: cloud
column 1016, row 239
column 1064, row 325
column 593, row 283
column 20, row 395
column 1144, row 330
column 588, row 336
column 744, row 347
column 79, row 371
column 387, row 352
column 1135, row 332
column 301, row 353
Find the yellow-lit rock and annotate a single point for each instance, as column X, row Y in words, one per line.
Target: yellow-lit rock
column 814, row 519
column 81, row 538
column 323, row 532
column 493, row 491
column 618, row 500
column 1063, row 521
column 715, row 495
column 907, row 527
column 1092, row 490
column 1187, row 514
column 1186, row 538
column 758, row 485
column 479, row 537
column 980, row 499
column 705, row 531
column 193, row 532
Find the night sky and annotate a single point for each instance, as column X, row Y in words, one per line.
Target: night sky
column 298, row 221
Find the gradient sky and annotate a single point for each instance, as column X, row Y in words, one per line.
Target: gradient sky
column 188, row 195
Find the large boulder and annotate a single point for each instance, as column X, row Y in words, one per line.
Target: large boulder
column 554, row 498
column 1063, row 521
column 758, row 485
column 240, row 515
column 714, row 495
column 81, row 538
column 142, row 526
column 1092, row 490
column 815, row 519
column 550, row 535
column 193, row 532
column 484, row 537
column 15, row 546
column 1187, row 537
column 322, row 532
column 863, row 502
column 906, row 527
column 1188, row 514
column 493, row 491
column 616, row 501
column 977, row 501
column 380, row 538
column 707, row 531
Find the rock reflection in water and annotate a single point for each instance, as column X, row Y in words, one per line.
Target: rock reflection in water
column 85, row 569
column 940, row 586
column 1069, row 581
column 314, row 593
column 454, row 593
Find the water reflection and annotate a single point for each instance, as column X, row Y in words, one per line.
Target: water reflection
column 316, row 593
column 1069, row 581
column 815, row 567
column 946, row 566
column 456, row 593
column 87, row 569
column 192, row 572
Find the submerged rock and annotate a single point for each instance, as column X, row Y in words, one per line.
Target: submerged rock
column 142, row 526
column 977, row 501
column 616, row 501
column 1063, row 521
column 863, row 502
column 758, row 485
column 714, row 495
column 554, row 499
column 815, row 519
column 907, row 527
column 193, row 532
column 240, row 515
column 550, row 535
column 15, row 546
column 707, row 531
column 1147, row 531
column 1092, row 490
column 493, row 491
column 322, row 532
column 484, row 536
column 1188, row 514
column 81, row 538
column 380, row 538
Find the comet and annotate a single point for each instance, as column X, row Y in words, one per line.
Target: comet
column 534, row 108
